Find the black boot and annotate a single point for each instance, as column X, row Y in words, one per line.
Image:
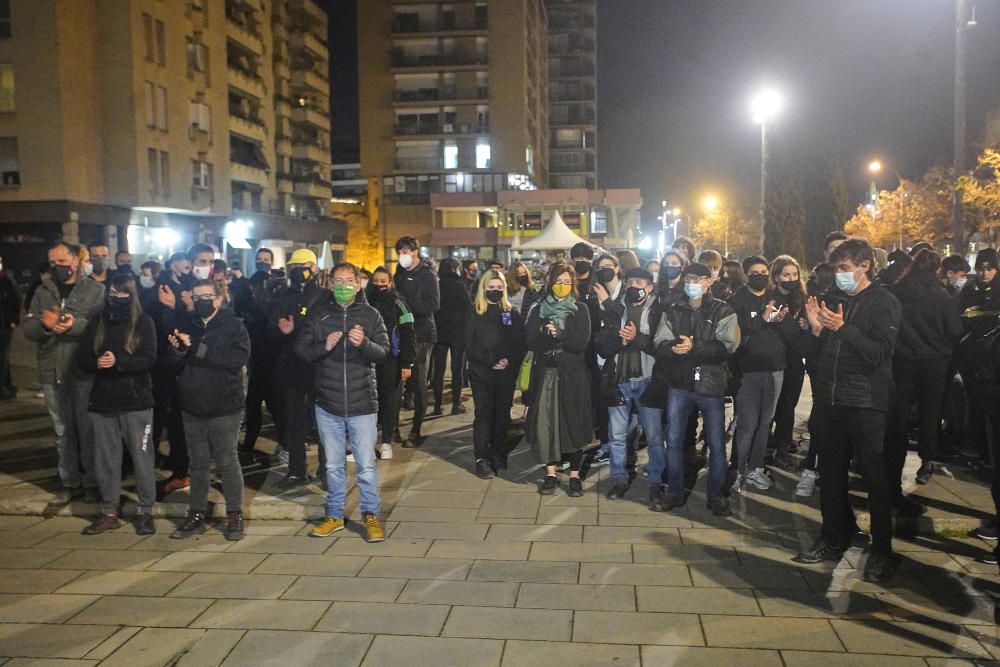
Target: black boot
column 194, row 524
column 234, row 526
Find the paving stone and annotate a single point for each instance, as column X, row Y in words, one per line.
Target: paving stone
column 813, row 658
column 577, row 596
column 388, row 651
column 567, row 516
column 441, row 531
column 628, row 573
column 354, row 589
column 413, row 568
column 807, row 634
column 261, row 614
column 747, row 577
column 920, row 639
column 154, row 646
column 35, row 581
column 502, row 623
column 531, row 571
column 275, row 648
column 107, row 560
column 988, row 636
column 470, row 593
column 696, row 656
column 39, row 640
column 532, row 533
column 385, row 618
column 685, row 554
column 122, row 538
column 42, row 608
column 21, row 538
column 594, row 553
column 143, row 611
column 326, row 565
column 731, row 538
column 459, row 499
column 394, row 547
column 687, row 600
column 60, row 524
column 638, row 628
column 835, row 604
column 914, row 606
column 649, row 520
column 479, row 550
column 630, row 535
column 518, row 653
column 11, row 522
column 514, row 505
column 246, row 586
column 17, row 559
column 124, row 582
column 279, row 544
column 113, row 643
column 211, row 541
column 434, row 514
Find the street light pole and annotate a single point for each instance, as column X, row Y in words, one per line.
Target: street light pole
column 875, row 166
column 957, row 215
column 765, row 105
column 763, row 186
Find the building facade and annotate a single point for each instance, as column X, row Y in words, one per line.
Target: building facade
column 152, row 124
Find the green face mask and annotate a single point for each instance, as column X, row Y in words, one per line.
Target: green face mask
column 344, row 294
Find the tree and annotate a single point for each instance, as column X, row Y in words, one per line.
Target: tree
column 981, row 194
column 786, row 216
column 726, row 228
column 824, row 199
column 921, row 209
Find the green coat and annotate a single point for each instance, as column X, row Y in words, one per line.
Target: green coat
column 57, row 353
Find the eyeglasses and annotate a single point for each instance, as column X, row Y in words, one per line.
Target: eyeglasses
column 564, row 282
column 204, row 297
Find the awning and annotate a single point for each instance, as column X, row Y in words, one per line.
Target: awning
column 555, row 236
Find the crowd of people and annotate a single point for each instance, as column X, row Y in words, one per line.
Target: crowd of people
column 610, row 356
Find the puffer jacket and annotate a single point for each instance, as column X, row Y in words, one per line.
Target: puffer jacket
column 716, row 335
column 420, row 288
column 57, row 362
column 930, row 325
column 292, row 370
column 854, row 364
column 345, row 375
column 126, row 386
column 211, row 379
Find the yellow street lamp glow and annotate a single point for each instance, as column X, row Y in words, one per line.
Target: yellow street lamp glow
column 874, row 166
column 676, row 212
column 710, row 202
column 765, row 105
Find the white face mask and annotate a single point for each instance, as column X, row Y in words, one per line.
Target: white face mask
column 201, row 272
column 146, row 281
column 715, row 276
column 960, row 283
column 88, row 269
column 406, row 260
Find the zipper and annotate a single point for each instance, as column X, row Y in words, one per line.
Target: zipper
column 344, row 343
column 836, row 356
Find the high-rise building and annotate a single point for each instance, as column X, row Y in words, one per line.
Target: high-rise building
column 453, row 99
column 152, row 124
column 572, row 30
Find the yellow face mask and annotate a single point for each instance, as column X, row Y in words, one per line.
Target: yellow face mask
column 561, row 290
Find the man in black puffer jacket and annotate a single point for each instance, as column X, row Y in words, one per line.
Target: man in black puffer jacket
column 343, row 339
column 851, row 398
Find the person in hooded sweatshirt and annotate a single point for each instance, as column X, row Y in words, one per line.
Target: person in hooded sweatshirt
column 495, row 345
column 119, row 349
column 450, row 323
column 929, row 329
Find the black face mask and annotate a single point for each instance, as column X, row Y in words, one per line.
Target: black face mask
column 581, row 267
column 118, row 308
column 378, row 290
column 757, row 282
column 125, row 268
column 62, row 274
column 494, row 295
column 300, row 275
column 204, row 308
column 605, row 275
column 524, row 280
column 634, row 295
column 790, row 286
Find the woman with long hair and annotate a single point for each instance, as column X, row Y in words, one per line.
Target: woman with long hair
column 120, row 350
column 495, row 347
column 519, row 286
column 733, row 275
column 560, row 418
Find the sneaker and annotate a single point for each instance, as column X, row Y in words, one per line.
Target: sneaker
column 328, row 527
column 820, row 551
column 549, row 486
column 925, row 472
column 194, row 524
column 575, row 487
column 373, row 529
column 807, row 484
column 437, row 411
column 617, row 491
column 669, row 502
column 907, row 507
column 989, row 558
column 144, row 525
column 737, row 485
column 91, row 495
column 234, row 526
column 103, row 524
column 719, row 506
column 881, row 566
column 988, row 532
column 655, row 498
column 176, row 484
column 499, row 463
column 600, row 459
column 759, row 480
column 290, row 482
column 385, row 451
column 483, row 469
column 457, row 409
column 413, row 441
column 350, row 457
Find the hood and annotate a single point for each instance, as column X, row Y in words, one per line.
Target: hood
column 915, row 287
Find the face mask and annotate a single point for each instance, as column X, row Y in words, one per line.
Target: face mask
column 88, row 269
column 61, row 274
column 344, row 294
column 125, row 268
column 672, row 272
column 406, row 261
column 693, row 290
column 656, row 276
column 494, row 295
column 715, row 275
column 789, row 285
column 118, row 308
column 757, row 282
column 300, row 275
column 960, row 283
column 561, row 291
column 523, row 280
column 605, row 275
column 146, row 281
column 364, row 284
column 204, row 308
column 634, row 295
column 846, row 282
column 581, row 267
column 263, row 266
column 201, row 272
column 381, row 289
column 99, row 264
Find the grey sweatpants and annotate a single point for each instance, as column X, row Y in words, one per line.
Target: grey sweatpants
column 755, row 404
column 208, row 440
column 134, row 429
column 67, row 404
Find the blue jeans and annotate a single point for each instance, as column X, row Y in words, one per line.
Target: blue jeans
column 333, row 433
column 680, row 404
column 651, row 419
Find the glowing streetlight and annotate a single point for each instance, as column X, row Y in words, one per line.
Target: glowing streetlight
column 765, row 106
column 676, row 212
column 875, row 167
column 710, row 203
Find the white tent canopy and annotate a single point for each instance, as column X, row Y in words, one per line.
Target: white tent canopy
column 555, row 236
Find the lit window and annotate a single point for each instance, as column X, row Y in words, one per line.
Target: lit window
column 483, row 154
column 450, row 155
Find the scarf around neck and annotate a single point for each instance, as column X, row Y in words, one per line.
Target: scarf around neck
column 557, row 310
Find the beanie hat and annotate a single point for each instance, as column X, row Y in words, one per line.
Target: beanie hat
column 639, row 272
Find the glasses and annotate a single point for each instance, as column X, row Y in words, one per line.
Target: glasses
column 564, row 282
column 204, row 297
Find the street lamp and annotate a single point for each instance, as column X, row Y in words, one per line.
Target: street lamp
column 764, row 106
column 710, row 204
column 874, row 168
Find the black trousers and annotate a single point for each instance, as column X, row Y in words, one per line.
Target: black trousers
column 440, row 354
column 293, row 427
column 417, row 386
column 261, row 388
column 388, row 383
column 167, row 406
column 784, row 414
column 815, row 441
column 493, row 396
column 6, row 335
column 861, row 432
column 920, row 381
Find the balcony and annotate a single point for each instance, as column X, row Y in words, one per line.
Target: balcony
column 281, row 68
column 308, row 11
column 419, row 163
column 311, row 79
column 285, row 184
column 312, row 152
column 570, row 23
column 442, row 129
column 402, row 60
column 445, row 93
column 312, row 185
column 251, row 128
column 249, row 174
column 282, row 106
column 244, row 35
column 306, row 41
column 248, row 82
column 283, row 146
column 569, row 70
column 312, row 115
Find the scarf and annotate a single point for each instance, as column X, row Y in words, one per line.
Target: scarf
column 557, row 310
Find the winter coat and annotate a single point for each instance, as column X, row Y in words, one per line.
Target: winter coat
column 57, row 363
column 420, row 288
column 930, row 325
column 454, row 311
column 126, row 386
column 763, row 345
column 608, row 344
column 211, row 378
column 168, row 319
column 398, row 322
column 10, row 302
column 345, row 375
column 715, row 331
column 854, row 364
column 531, row 297
column 492, row 336
column 290, row 369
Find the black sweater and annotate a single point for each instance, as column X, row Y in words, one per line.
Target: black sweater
column 211, row 381
column 493, row 336
column 930, row 325
column 763, row 345
column 126, row 386
column 419, row 287
column 455, row 308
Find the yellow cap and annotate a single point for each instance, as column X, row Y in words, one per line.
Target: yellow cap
column 303, row 256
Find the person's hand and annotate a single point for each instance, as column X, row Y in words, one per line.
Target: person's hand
column 64, row 324
column 501, row 365
column 236, row 273
column 628, row 332
column 812, row 315
column 779, row 315
column 830, row 319
column 333, row 339
column 286, row 325
column 106, row 360
column 356, row 335
column 684, row 346
column 184, row 338
column 188, row 301
column 552, row 329
column 49, row 318
column 601, row 292
column 166, row 297
column 406, row 373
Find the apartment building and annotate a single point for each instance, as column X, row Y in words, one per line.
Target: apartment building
column 453, row 98
column 152, row 124
column 572, row 36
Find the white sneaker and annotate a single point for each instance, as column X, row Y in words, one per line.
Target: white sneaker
column 759, row 480
column 385, row 451
column 807, row 484
column 350, row 457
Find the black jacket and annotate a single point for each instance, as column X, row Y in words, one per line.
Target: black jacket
column 345, row 375
column 854, row 364
column 211, row 380
column 291, row 370
column 716, row 335
column 126, row 386
column 419, row 287
column 763, row 345
column 492, row 336
column 168, row 319
column 10, row 302
column 398, row 321
column 930, row 325
column 454, row 311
